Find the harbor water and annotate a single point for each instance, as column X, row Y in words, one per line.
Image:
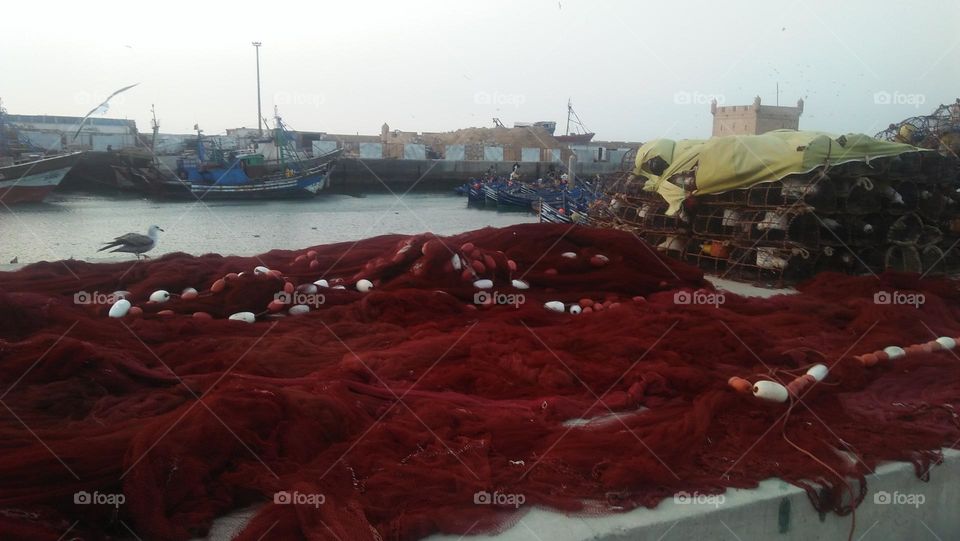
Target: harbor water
column 75, row 225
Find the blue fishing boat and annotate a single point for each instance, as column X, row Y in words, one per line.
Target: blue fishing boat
column 550, row 214
column 218, row 174
column 516, row 199
column 490, row 192
column 561, row 215
column 475, row 195
column 463, row 189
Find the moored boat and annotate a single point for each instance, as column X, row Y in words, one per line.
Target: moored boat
column 30, row 182
column 215, row 174
column 490, row 194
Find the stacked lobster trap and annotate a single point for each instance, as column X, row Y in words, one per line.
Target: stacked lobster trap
column 900, row 213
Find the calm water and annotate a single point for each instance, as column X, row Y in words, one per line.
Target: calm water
column 75, row 225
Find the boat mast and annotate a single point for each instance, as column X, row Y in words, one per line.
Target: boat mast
column 156, row 128
column 256, row 45
column 576, row 118
column 276, row 137
column 3, row 130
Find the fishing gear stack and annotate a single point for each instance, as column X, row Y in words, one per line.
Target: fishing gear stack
column 939, row 130
column 898, row 212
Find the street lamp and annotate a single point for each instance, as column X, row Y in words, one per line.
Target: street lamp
column 256, row 45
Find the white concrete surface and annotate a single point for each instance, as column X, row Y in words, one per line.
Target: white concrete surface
column 756, row 514
column 747, row 290
column 775, row 510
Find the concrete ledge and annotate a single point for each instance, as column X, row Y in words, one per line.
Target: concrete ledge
column 775, row 510
column 746, row 514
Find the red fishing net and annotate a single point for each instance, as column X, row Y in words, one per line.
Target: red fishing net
column 428, row 405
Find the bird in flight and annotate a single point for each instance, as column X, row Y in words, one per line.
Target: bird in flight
column 134, row 243
column 102, row 108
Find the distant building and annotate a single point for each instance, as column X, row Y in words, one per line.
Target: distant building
column 754, row 119
column 47, row 132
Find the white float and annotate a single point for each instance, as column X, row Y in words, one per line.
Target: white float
column 483, row 284
column 770, row 390
column 119, row 308
column 246, row 317
column 520, row 284
column 894, row 352
column 818, row 371
column 575, row 309
column 946, row 342
column 321, row 283
column 261, row 270
column 364, row 285
column 160, row 295
column 298, row 310
column 555, row 306
column 569, row 255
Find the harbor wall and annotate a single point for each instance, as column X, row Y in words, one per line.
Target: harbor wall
column 354, row 174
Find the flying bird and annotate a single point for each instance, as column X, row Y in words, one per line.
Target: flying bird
column 102, row 107
column 134, row 243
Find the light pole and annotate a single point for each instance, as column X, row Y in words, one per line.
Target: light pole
column 256, row 45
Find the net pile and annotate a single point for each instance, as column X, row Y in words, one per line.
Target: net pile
column 899, row 213
column 428, row 404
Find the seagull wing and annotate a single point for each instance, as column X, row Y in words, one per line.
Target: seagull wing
column 133, row 240
column 95, row 109
column 84, row 120
column 124, row 89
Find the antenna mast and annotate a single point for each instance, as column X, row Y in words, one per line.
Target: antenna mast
column 155, row 126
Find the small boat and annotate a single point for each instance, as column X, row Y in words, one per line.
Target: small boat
column 30, row 182
column 490, row 192
column 516, row 199
column 549, row 214
column 567, row 210
column 475, row 195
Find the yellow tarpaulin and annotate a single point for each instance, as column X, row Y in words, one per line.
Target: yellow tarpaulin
column 741, row 161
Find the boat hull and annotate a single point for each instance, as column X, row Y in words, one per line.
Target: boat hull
column 292, row 188
column 575, row 138
column 31, row 182
column 516, row 201
column 110, row 171
column 475, row 196
column 490, row 195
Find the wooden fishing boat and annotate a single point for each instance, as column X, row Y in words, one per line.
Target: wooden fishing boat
column 31, row 181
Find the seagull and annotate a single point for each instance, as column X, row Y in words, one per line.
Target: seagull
column 103, row 107
column 134, row 243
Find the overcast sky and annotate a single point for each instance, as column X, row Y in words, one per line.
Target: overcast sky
column 635, row 70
